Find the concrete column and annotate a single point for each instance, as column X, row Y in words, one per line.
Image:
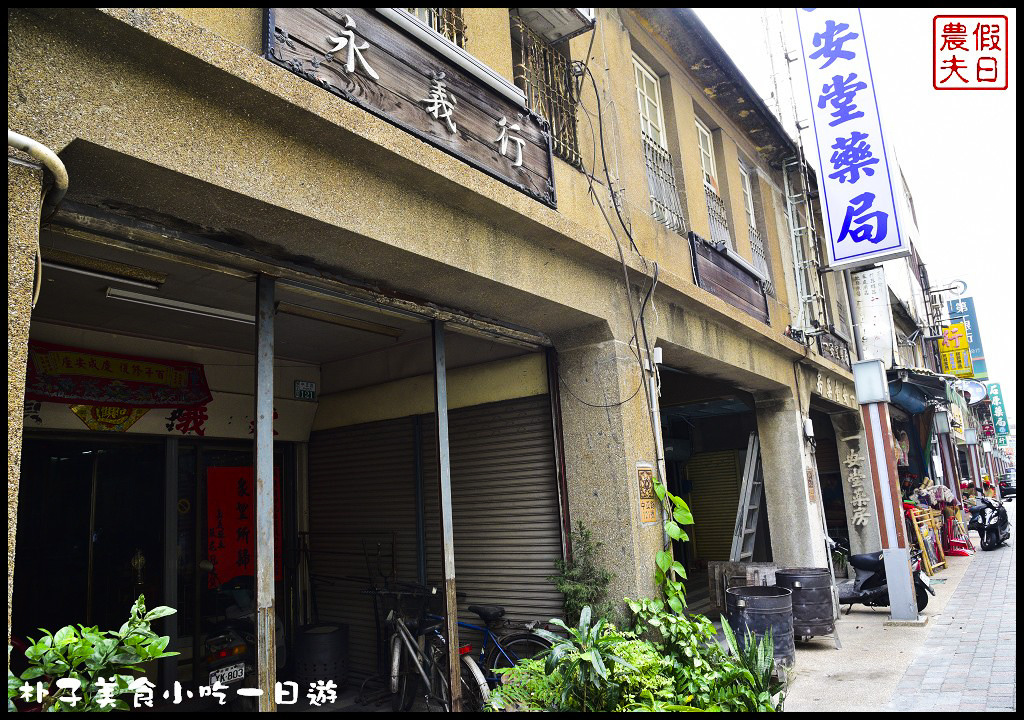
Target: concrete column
column 858, row 490
column 950, row 466
column 790, row 481
column 607, row 431
column 24, row 202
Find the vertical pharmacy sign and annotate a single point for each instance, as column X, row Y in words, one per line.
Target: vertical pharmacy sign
column 856, row 188
column 1000, row 422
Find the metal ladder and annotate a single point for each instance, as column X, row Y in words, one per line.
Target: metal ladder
column 750, row 504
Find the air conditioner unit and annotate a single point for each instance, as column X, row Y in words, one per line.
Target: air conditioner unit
column 556, row 24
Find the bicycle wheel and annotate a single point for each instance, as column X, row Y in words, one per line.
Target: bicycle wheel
column 475, row 692
column 517, row 646
column 404, row 676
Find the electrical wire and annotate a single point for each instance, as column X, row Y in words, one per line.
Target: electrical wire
column 636, row 318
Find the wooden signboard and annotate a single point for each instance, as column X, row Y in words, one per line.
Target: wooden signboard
column 727, row 280
column 366, row 58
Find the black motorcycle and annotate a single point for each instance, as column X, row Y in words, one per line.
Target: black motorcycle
column 870, row 586
column 230, row 648
column 989, row 519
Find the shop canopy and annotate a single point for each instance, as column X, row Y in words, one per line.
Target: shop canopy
column 915, row 390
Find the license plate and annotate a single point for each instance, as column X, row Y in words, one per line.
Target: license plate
column 228, row 675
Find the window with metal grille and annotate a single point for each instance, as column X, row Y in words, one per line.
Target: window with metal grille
column 717, row 217
column 661, row 181
column 544, row 73
column 443, row 21
column 757, row 247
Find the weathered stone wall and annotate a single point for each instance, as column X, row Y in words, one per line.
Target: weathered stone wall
column 24, row 201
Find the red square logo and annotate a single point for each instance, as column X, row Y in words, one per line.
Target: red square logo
column 970, row 52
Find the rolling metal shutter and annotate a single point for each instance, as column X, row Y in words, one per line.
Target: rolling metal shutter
column 715, row 496
column 505, row 512
column 505, row 508
column 361, row 489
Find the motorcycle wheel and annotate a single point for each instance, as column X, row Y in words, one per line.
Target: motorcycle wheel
column 989, row 540
column 922, row 598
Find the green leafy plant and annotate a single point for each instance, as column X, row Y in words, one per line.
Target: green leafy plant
column 526, row 686
column 581, row 580
column 756, row 659
column 105, row 663
column 586, row 661
column 669, row 573
column 704, row 676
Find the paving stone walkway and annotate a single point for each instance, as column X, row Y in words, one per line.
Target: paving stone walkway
column 968, row 660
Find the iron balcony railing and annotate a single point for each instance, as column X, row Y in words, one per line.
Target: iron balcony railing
column 443, row 21
column 717, row 217
column 761, row 259
column 661, row 183
column 544, row 74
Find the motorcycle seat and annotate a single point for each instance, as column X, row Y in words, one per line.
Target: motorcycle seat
column 868, row 561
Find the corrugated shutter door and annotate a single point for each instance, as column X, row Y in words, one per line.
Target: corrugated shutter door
column 505, row 508
column 361, row 488
column 715, row 496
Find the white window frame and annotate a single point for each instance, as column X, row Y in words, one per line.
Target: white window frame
column 707, row 157
column 748, row 196
column 642, row 71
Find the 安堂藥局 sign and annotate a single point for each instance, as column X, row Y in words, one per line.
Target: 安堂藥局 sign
column 857, row 193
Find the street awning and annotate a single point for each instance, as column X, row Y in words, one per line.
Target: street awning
column 914, row 390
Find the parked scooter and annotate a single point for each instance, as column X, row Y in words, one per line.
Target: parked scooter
column 989, row 518
column 870, row 586
column 230, row 648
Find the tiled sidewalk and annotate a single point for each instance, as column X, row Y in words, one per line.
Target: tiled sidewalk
column 968, row 661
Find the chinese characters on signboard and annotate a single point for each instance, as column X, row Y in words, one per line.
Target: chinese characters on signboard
column 859, row 499
column 231, row 524
column 954, row 352
column 999, row 419
column 365, row 58
column 871, row 295
column 856, row 190
column 647, row 497
column 962, row 310
column 970, row 52
column 835, row 390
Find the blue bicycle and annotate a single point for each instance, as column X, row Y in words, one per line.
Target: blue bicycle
column 504, row 650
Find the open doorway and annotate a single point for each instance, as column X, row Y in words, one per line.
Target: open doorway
column 354, row 453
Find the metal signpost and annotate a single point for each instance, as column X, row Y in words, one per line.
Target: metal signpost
column 872, row 390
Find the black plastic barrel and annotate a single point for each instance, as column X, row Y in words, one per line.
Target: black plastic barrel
column 760, row 609
column 321, row 653
column 812, row 599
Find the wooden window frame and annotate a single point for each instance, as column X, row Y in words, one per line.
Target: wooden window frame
column 703, row 131
column 642, row 69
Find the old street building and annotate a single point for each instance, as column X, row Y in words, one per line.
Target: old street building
column 393, row 233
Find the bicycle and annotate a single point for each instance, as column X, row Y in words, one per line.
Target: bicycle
column 419, row 652
column 507, row 649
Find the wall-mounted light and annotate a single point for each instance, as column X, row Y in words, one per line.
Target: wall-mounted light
column 869, row 382
column 940, row 422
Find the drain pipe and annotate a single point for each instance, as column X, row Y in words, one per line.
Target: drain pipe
column 53, row 197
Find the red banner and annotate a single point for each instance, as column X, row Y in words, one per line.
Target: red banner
column 231, row 525
column 94, row 377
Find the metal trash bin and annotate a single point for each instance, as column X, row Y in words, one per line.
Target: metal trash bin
column 321, row 653
column 760, row 608
column 812, row 600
